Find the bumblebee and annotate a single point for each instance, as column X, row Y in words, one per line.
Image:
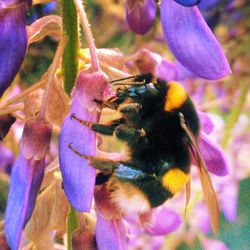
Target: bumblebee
column 160, row 125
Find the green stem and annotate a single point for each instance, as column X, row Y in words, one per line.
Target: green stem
column 70, row 56
column 72, row 225
column 235, row 113
column 88, row 34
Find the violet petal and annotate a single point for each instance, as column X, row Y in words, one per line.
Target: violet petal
column 141, row 17
column 13, row 42
column 166, row 71
column 110, row 234
column 35, row 187
column 18, row 198
column 213, row 156
column 192, row 42
column 206, row 123
column 78, row 176
column 187, row 3
column 163, row 221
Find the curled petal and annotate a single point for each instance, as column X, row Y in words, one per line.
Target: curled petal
column 45, row 26
column 36, row 138
column 213, row 156
column 161, row 221
column 192, row 42
column 19, row 198
column 13, row 42
column 115, row 238
column 187, row 3
column 141, row 15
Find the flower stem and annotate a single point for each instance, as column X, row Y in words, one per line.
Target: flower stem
column 51, row 74
column 235, row 113
column 23, row 94
column 88, row 34
column 72, row 225
column 70, row 56
column 11, row 110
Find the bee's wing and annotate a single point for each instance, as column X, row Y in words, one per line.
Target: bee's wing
column 207, row 187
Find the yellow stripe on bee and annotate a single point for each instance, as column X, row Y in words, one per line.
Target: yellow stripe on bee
column 174, row 180
column 176, row 96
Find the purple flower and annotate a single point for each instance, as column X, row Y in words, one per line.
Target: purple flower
column 78, row 175
column 13, row 42
column 161, row 221
column 192, row 42
column 140, row 15
column 212, row 154
column 115, row 238
column 186, row 33
column 26, row 177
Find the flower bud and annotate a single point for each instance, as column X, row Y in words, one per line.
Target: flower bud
column 36, row 138
column 140, row 15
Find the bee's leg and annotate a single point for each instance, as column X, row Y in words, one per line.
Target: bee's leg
column 105, row 129
column 129, row 108
column 129, row 134
column 106, row 165
column 110, row 103
column 130, row 112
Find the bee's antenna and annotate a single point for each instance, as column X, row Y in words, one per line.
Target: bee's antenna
column 122, row 79
column 129, row 83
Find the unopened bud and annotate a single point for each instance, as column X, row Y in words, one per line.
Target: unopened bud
column 91, row 87
column 36, row 138
column 147, row 61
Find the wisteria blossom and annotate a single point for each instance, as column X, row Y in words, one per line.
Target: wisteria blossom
column 186, row 33
column 64, row 183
